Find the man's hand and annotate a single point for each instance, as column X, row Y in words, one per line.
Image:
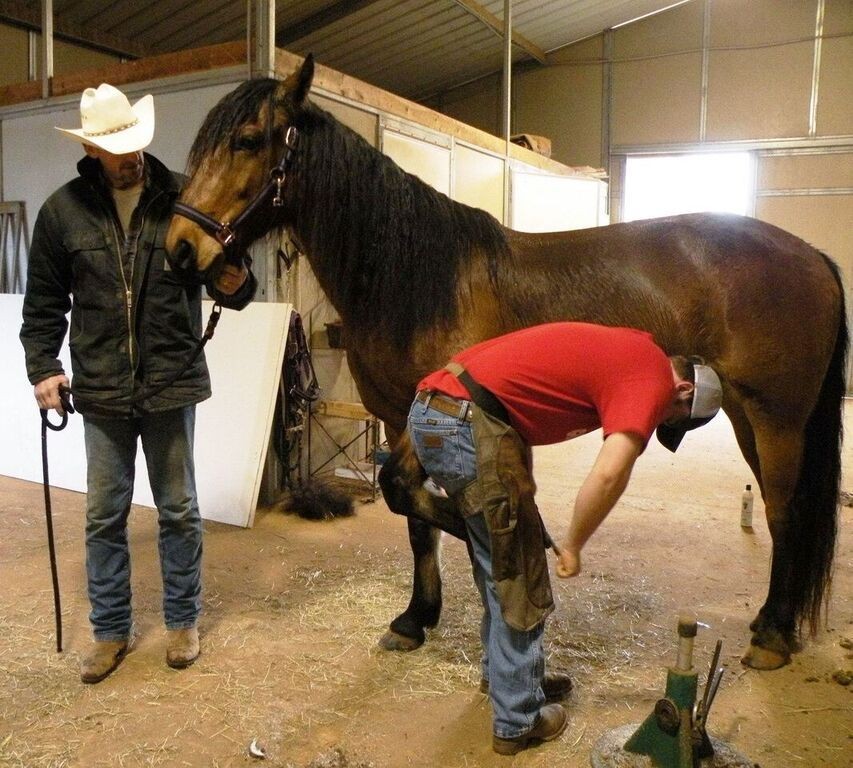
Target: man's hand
column 47, row 393
column 568, row 563
column 598, row 493
column 230, row 279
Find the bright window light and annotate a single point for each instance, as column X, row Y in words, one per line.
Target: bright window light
column 670, row 184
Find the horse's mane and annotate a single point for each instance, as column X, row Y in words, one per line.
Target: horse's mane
column 390, row 248
column 387, row 248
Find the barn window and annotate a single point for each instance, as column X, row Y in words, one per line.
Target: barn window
column 663, row 185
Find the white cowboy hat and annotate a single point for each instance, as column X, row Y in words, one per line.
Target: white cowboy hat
column 109, row 122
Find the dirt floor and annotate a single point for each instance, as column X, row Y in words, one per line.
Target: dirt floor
column 293, row 610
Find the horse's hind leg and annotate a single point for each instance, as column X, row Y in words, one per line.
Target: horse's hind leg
column 745, row 438
column 774, row 629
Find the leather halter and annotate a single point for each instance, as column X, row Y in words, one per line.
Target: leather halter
column 226, row 232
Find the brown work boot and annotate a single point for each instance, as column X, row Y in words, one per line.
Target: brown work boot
column 182, row 647
column 552, row 721
column 101, row 659
column 556, row 686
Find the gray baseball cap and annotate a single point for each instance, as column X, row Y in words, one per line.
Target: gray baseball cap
column 707, row 398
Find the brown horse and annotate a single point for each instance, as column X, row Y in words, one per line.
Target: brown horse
column 417, row 277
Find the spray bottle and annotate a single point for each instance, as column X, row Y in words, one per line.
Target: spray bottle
column 746, row 508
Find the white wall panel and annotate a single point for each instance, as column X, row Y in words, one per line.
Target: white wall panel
column 232, row 427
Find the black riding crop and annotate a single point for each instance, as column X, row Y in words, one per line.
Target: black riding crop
column 46, row 424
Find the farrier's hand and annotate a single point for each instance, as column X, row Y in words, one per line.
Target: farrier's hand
column 568, row 562
column 230, row 279
column 47, row 393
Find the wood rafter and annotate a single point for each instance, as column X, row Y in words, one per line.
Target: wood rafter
column 317, row 21
column 28, row 15
column 488, row 18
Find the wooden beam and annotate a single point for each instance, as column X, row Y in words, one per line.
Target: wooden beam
column 341, row 410
column 152, row 68
column 488, row 18
column 324, row 18
column 351, row 88
column 28, row 16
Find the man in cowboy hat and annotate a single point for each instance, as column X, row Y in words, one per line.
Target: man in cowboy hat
column 99, row 239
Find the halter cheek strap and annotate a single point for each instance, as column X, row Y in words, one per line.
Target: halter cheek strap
column 224, row 232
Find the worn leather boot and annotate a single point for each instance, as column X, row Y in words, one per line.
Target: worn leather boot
column 556, row 686
column 552, row 721
column 182, row 647
column 101, row 659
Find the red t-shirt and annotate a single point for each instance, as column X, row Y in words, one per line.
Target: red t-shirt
column 561, row 380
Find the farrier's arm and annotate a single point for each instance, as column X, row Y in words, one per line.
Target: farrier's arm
column 597, row 496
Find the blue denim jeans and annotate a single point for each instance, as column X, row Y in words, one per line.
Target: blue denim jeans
column 167, row 442
column 513, row 660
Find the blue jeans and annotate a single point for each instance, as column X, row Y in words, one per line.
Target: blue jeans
column 167, row 442
column 513, row 660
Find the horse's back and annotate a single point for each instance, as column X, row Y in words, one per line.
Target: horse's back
column 742, row 293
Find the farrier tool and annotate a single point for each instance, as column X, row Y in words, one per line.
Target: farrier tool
column 674, row 735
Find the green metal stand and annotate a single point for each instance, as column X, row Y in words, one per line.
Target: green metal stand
column 666, row 735
column 670, row 736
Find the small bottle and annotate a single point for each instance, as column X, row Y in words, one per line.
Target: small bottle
column 746, row 508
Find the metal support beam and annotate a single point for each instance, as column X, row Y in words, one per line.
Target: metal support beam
column 46, row 47
column 818, row 49
column 262, row 50
column 261, row 28
column 507, row 103
column 706, row 68
column 607, row 100
column 32, row 55
column 488, row 18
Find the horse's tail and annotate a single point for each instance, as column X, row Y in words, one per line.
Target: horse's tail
column 814, row 507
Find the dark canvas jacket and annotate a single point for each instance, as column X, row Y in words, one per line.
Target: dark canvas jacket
column 133, row 322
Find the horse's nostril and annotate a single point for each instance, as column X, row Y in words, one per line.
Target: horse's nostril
column 182, row 258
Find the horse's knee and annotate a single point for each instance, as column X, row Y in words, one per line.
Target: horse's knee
column 400, row 477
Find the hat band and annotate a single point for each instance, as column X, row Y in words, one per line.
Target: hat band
column 112, row 130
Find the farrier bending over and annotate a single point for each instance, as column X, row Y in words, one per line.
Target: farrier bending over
column 471, row 428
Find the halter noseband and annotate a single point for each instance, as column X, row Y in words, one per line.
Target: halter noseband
column 225, row 232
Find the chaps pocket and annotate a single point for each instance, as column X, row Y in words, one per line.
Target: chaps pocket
column 503, row 534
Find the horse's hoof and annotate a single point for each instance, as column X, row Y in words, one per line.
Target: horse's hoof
column 764, row 658
column 393, row 641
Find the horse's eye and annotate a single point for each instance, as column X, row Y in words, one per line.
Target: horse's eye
column 248, row 142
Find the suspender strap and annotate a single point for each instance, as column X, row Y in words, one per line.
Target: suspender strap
column 494, row 407
column 479, row 394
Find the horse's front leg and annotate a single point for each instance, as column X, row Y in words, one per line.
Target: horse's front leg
column 402, row 481
column 407, row 631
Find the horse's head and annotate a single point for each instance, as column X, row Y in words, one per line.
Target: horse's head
column 237, row 172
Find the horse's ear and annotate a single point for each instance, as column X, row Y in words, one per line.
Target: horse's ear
column 295, row 88
column 306, row 77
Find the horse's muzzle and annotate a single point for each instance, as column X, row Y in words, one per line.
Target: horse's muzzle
column 182, row 260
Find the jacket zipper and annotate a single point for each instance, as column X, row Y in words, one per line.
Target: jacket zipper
column 128, row 288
